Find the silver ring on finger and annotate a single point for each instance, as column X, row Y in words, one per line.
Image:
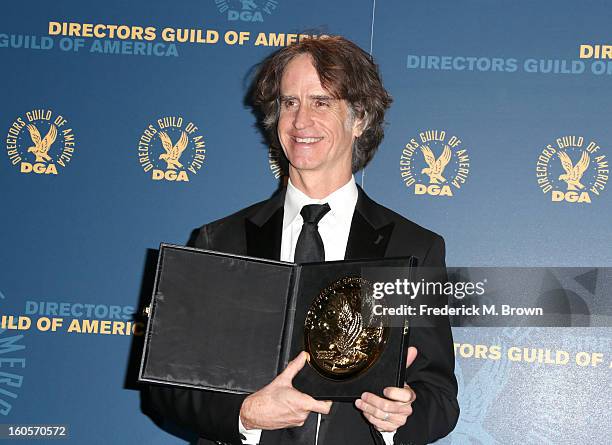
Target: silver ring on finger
column 384, row 419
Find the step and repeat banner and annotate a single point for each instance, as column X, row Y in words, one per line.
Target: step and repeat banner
column 498, row 138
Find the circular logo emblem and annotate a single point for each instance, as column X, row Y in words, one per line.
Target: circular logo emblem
column 246, row 10
column 434, row 163
column 340, row 342
column 572, row 169
column 171, row 149
column 40, row 142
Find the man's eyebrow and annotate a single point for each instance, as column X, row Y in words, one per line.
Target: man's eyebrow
column 324, row 97
column 312, row 96
column 321, row 97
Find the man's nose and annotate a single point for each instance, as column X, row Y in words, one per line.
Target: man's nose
column 302, row 118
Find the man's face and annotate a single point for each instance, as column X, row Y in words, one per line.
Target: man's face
column 315, row 130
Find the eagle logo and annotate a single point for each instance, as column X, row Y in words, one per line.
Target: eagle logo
column 173, row 152
column 436, row 166
column 41, row 146
column 573, row 173
column 350, row 329
column 248, row 5
column 350, row 324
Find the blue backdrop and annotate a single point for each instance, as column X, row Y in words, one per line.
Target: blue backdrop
column 85, row 195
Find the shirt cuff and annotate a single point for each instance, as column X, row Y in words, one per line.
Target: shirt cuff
column 251, row 437
column 386, row 435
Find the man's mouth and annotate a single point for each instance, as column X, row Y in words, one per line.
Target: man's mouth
column 307, row 140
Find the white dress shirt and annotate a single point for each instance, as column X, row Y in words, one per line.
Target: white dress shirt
column 334, row 229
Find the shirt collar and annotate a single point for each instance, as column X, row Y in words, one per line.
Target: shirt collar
column 341, row 202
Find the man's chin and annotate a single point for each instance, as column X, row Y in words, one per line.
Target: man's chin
column 303, row 165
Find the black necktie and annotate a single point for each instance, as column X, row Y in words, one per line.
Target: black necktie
column 309, row 247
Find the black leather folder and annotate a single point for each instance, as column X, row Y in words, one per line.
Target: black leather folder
column 231, row 323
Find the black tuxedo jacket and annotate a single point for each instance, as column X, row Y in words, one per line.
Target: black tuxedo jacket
column 375, row 232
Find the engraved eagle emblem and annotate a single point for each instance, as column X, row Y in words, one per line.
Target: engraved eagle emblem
column 350, row 325
column 573, row 173
column 42, row 145
column 173, row 152
column 436, row 166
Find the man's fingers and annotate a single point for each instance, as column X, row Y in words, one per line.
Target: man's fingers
column 378, row 405
column 294, row 366
column 412, row 354
column 405, row 394
column 372, row 410
column 319, row 406
column 386, row 417
column 381, row 425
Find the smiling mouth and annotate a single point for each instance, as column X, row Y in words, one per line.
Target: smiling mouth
column 307, row 140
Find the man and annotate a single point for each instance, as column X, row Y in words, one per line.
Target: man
column 323, row 103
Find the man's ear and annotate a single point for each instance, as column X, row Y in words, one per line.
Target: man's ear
column 360, row 125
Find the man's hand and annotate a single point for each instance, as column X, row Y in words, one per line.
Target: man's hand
column 278, row 404
column 390, row 412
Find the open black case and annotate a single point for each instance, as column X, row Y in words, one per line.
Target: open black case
column 231, row 323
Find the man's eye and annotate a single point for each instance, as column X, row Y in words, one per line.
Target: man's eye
column 321, row 104
column 288, row 103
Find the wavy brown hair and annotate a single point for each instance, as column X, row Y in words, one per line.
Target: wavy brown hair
column 347, row 72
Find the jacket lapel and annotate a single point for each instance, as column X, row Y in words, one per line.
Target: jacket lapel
column 370, row 233
column 368, row 237
column 264, row 229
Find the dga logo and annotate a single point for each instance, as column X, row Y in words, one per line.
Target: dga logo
column 434, row 163
column 40, row 142
column 171, row 149
column 572, row 170
column 246, row 10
